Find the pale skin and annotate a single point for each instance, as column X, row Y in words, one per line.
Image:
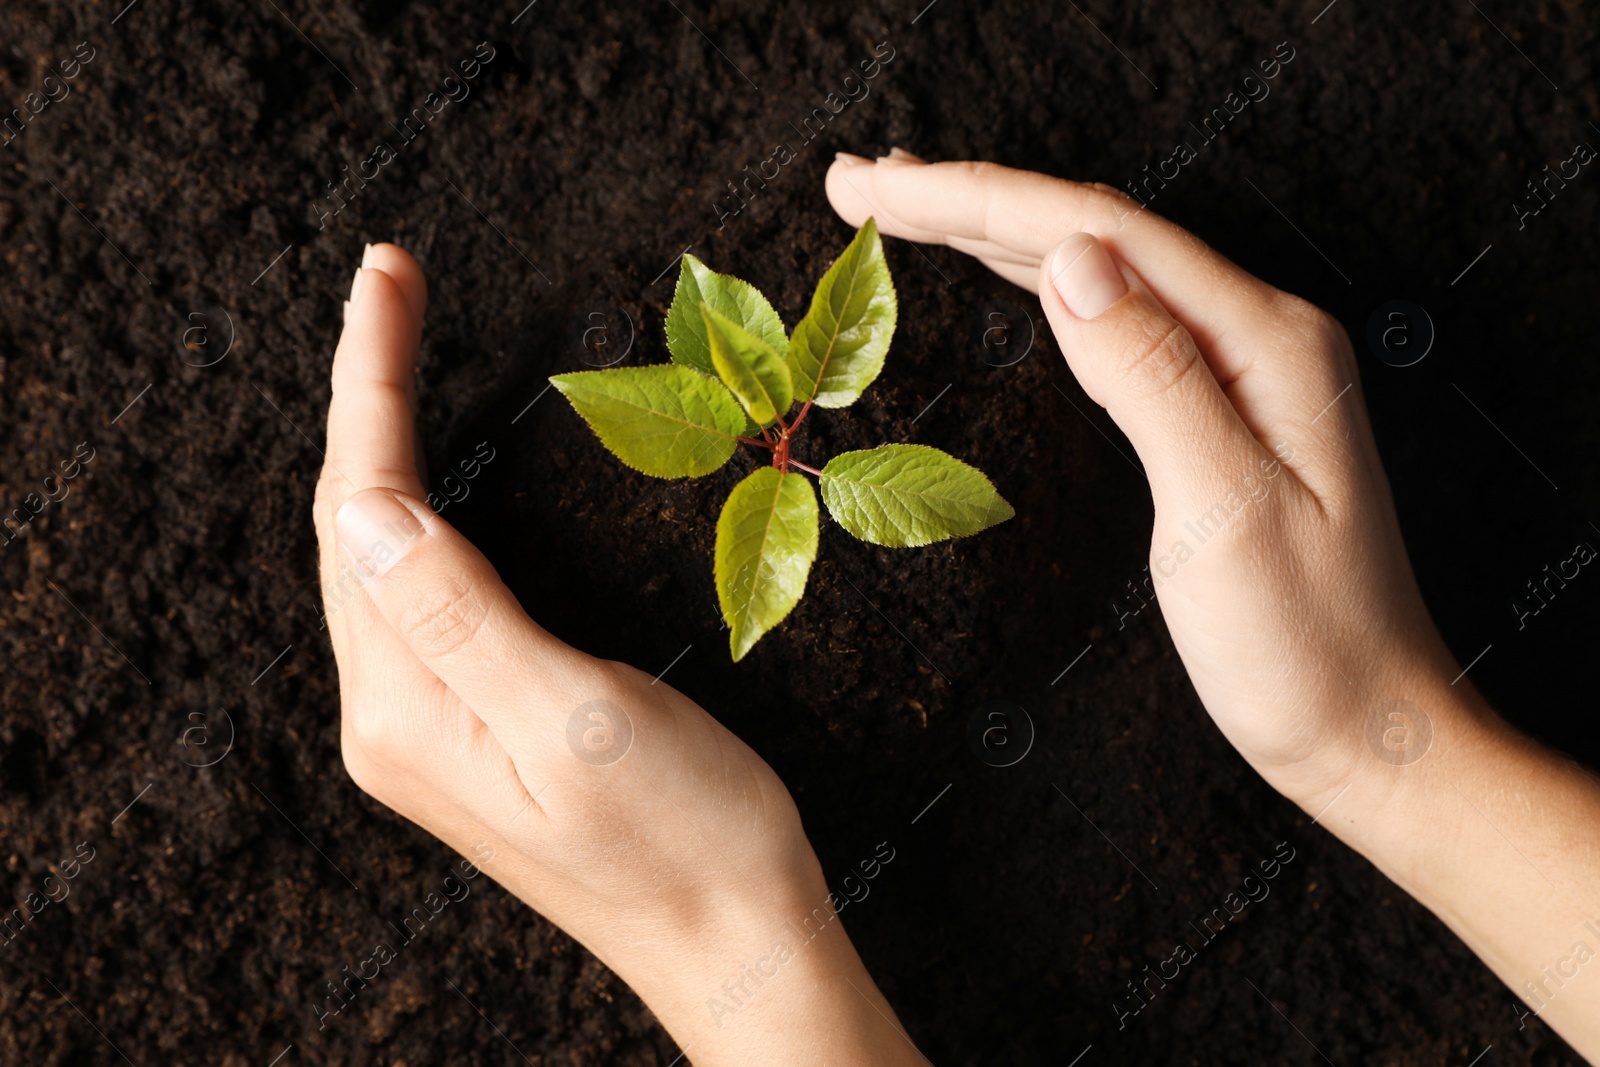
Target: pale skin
column 683, row 864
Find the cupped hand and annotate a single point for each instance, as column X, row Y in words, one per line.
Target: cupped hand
column 603, row 798
column 1276, row 554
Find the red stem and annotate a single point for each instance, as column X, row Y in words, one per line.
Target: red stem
column 802, row 466
column 800, row 417
column 753, row 441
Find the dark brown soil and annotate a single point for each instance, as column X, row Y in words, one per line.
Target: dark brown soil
column 177, row 577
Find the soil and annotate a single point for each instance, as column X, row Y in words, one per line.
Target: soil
column 170, row 597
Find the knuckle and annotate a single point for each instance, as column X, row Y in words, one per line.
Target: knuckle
column 365, row 735
column 324, row 500
column 1317, row 326
column 618, row 678
column 361, row 745
column 1110, row 192
column 1109, row 210
column 390, row 739
column 620, row 684
column 366, row 738
column 616, row 682
column 1156, row 356
column 444, row 617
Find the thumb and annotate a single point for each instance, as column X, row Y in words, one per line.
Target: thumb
column 445, row 601
column 1141, row 365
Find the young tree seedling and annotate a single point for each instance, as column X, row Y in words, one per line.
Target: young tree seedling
column 735, row 376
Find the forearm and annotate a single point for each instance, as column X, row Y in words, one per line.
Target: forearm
column 1500, row 838
column 782, row 988
column 812, row 1011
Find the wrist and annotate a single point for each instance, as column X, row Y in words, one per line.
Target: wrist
column 1412, row 749
column 1378, row 722
column 779, row 986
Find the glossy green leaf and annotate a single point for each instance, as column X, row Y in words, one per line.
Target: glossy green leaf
column 908, row 495
column 700, row 286
column 664, row 420
column 766, row 542
column 756, row 372
column 838, row 348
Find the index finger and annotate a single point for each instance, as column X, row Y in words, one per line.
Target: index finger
column 1023, row 216
column 371, row 439
column 1251, row 334
column 371, row 433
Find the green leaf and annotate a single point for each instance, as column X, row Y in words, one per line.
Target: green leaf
column 753, row 369
column 766, row 542
column 908, row 495
column 700, row 286
column 664, row 420
column 838, row 348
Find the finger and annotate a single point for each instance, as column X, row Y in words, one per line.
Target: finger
column 1029, row 214
column 370, row 418
column 398, row 264
column 1246, row 328
column 1015, row 273
column 370, row 441
column 402, row 743
column 1139, row 363
column 444, row 600
column 988, row 251
column 898, row 155
column 1024, row 212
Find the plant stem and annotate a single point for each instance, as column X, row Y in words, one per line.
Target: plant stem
column 798, row 419
column 758, row 444
column 767, row 437
column 802, row 466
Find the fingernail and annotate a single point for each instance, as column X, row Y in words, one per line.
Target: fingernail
column 355, row 285
column 1086, row 276
column 366, row 256
column 376, row 531
column 900, row 155
column 851, row 160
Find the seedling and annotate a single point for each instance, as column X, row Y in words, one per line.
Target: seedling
column 734, row 377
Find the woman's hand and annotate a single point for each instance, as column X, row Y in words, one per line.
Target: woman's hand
column 603, row 798
column 1275, row 555
column 1278, row 561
